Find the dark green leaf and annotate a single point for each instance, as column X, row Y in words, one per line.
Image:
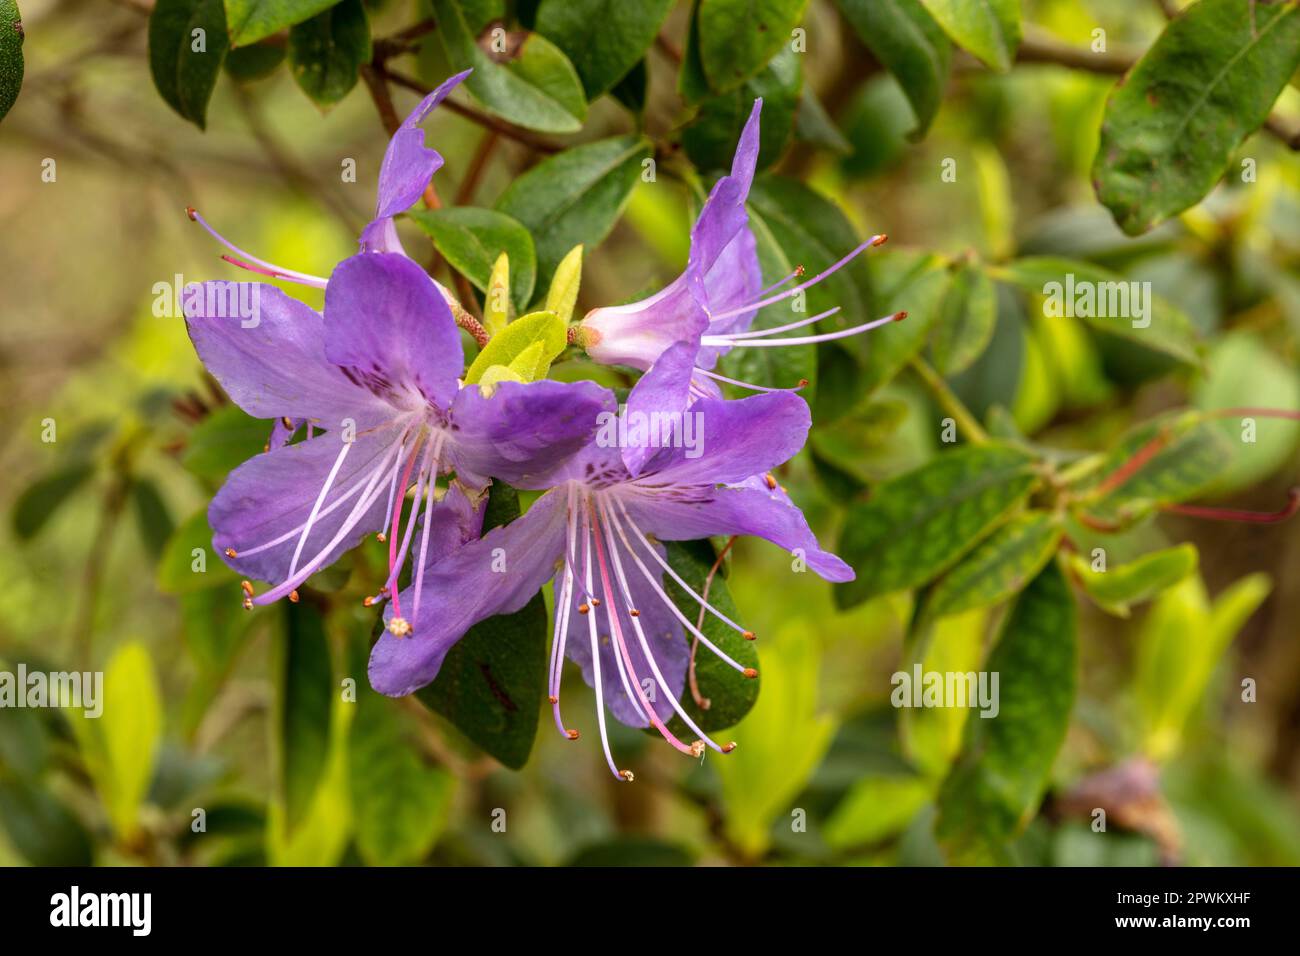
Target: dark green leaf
column 990, row 29
column 1115, row 589
column 300, row 709
column 632, row 851
column 533, row 85
column 711, row 139
column 911, row 45
column 187, row 44
column 603, row 38
column 224, row 440
column 11, row 55
column 491, row 683
column 967, row 315
column 631, row 91
column 919, row 524
column 327, row 51
column 471, row 239
column 738, row 37
column 256, row 62
column 182, row 570
column 152, row 516
column 46, row 495
column 909, row 282
column 1000, row 775
column 399, row 804
column 575, row 197
column 731, row 695
column 1209, row 80
column 814, row 125
column 999, row 566
column 1082, row 290
column 40, row 827
column 253, row 20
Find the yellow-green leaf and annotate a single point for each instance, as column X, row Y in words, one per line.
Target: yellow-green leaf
column 562, row 295
column 544, row 328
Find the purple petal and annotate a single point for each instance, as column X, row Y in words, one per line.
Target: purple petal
column 466, row 587
column 271, row 496
column 523, row 431
column 391, row 331
column 749, row 508
column 664, row 390
column 408, row 164
column 662, row 631
column 271, row 363
column 724, row 216
column 636, row 334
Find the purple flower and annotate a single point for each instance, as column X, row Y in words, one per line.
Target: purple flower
column 591, row 533
column 677, row 335
column 379, row 373
column 407, row 170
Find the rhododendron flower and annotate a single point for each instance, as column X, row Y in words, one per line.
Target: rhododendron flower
column 677, row 335
column 379, row 372
column 592, row 533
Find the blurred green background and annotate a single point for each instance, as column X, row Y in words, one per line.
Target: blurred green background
column 96, row 551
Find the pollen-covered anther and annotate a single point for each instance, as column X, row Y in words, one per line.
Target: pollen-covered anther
column 595, row 602
column 584, row 608
column 231, row 553
column 750, row 672
column 880, row 240
column 367, row 601
column 553, row 699
column 899, row 316
column 192, row 213
column 571, row 734
column 747, row 635
column 634, row 612
column 400, row 627
column 247, row 588
column 697, row 749
column 381, row 537
column 729, row 747
column 293, row 596
column 770, row 481
column 799, row 271
column 627, row 775
column 248, row 604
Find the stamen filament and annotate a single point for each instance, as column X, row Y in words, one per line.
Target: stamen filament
column 759, row 333
column 595, row 668
column 424, row 537
column 722, row 340
column 315, row 508
column 750, row 385
column 290, row 274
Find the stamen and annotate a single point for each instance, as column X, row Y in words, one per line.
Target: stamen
column 315, row 508
column 796, row 274
column 395, row 562
column 424, row 537
column 803, row 383
column 560, row 639
column 873, row 241
column 277, row 271
column 621, row 660
column 722, row 340
column 759, row 333
column 595, row 668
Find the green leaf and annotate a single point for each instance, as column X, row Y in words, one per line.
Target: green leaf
column 906, row 39
column 875, row 808
column 1081, row 289
column 152, row 516
column 189, row 562
column 11, row 55
column 575, row 197
column 967, row 315
column 1002, row 771
column 253, row 20
column 907, row 282
column 544, row 328
column 40, row 827
column 999, row 566
column 710, row 140
column 303, row 683
column 737, row 38
column 730, row 694
column 1210, row 79
column 1116, row 589
column 399, row 804
column 491, row 682
column 224, row 440
column 256, row 62
column 990, row 29
column 605, row 39
column 1164, row 461
column 187, row 45
column 46, row 495
column 562, row 295
column 632, row 90
column 327, row 52
column 920, row 523
column 931, row 736
column 121, row 745
column 781, row 741
column 534, row 86
column 815, row 126
column 472, row 239
column 632, row 851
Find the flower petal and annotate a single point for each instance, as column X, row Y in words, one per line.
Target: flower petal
column 272, row 361
column 747, row 508
column 270, row 497
column 466, row 587
column 391, row 331
column 523, row 430
column 664, row 390
column 662, row 631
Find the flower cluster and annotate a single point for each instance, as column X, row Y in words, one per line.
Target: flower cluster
column 377, row 431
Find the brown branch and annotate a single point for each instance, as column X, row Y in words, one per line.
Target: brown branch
column 478, row 165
